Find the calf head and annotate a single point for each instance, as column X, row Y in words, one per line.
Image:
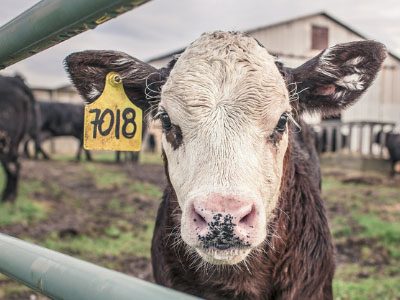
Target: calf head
column 224, row 105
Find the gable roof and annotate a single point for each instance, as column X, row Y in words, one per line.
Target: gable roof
column 324, row 14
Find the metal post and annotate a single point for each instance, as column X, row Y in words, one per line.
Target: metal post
column 371, row 139
column 360, row 138
column 50, row 22
column 338, row 138
column 351, row 132
column 329, row 134
column 59, row 276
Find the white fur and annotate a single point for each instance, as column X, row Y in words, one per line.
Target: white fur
column 339, row 95
column 94, row 93
column 326, row 67
column 351, row 82
column 226, row 95
column 122, row 61
column 131, row 73
column 354, row 61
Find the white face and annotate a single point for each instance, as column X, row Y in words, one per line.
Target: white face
column 226, row 96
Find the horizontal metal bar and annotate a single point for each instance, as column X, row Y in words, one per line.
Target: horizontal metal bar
column 50, row 22
column 59, row 276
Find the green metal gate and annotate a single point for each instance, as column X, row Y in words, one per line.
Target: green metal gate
column 50, row 22
column 59, row 276
column 53, row 274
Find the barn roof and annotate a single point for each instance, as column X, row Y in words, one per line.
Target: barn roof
column 325, row 14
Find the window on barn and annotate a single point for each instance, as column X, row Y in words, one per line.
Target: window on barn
column 319, row 37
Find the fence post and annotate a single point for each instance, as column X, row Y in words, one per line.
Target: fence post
column 338, row 138
column 371, row 139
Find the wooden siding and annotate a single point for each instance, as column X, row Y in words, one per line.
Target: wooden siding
column 291, row 42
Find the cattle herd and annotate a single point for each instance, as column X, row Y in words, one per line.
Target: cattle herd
column 23, row 119
column 241, row 216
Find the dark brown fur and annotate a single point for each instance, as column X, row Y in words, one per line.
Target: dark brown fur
column 174, row 136
column 299, row 262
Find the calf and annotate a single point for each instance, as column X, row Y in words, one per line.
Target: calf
column 241, row 216
column 59, row 119
column 16, row 104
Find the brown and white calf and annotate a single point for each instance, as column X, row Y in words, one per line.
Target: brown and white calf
column 241, row 217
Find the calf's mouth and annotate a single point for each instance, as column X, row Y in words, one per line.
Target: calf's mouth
column 230, row 256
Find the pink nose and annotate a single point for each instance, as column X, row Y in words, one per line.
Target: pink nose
column 223, row 222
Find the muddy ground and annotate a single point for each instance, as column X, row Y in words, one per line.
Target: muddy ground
column 97, row 211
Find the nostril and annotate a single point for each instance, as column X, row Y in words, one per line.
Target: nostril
column 198, row 218
column 248, row 219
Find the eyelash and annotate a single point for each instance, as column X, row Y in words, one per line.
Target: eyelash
column 280, row 128
column 163, row 116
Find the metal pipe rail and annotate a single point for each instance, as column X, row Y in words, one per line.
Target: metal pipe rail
column 53, row 274
column 59, row 276
column 50, row 22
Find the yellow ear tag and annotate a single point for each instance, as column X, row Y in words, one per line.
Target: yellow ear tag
column 113, row 122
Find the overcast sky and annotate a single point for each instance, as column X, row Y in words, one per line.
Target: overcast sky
column 162, row 26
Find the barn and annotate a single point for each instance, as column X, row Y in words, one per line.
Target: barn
column 296, row 40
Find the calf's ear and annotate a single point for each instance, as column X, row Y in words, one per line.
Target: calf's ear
column 336, row 77
column 88, row 71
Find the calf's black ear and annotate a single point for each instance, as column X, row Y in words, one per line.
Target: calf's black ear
column 88, row 71
column 335, row 78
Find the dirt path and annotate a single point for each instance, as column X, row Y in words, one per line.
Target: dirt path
column 80, row 208
column 78, row 194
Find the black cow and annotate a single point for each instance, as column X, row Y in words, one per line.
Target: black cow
column 392, row 143
column 59, row 119
column 17, row 112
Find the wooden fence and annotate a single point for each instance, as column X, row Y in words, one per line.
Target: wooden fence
column 358, row 138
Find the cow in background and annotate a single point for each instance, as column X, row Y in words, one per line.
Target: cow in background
column 17, row 112
column 392, row 143
column 59, row 119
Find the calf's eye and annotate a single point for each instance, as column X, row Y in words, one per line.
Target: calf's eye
column 281, row 126
column 165, row 121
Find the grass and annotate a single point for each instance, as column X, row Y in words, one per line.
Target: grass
column 151, row 158
column 116, row 206
column 25, row 210
column 146, row 189
column 387, row 234
column 381, row 288
column 106, row 176
column 364, row 215
column 109, row 156
column 115, row 241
